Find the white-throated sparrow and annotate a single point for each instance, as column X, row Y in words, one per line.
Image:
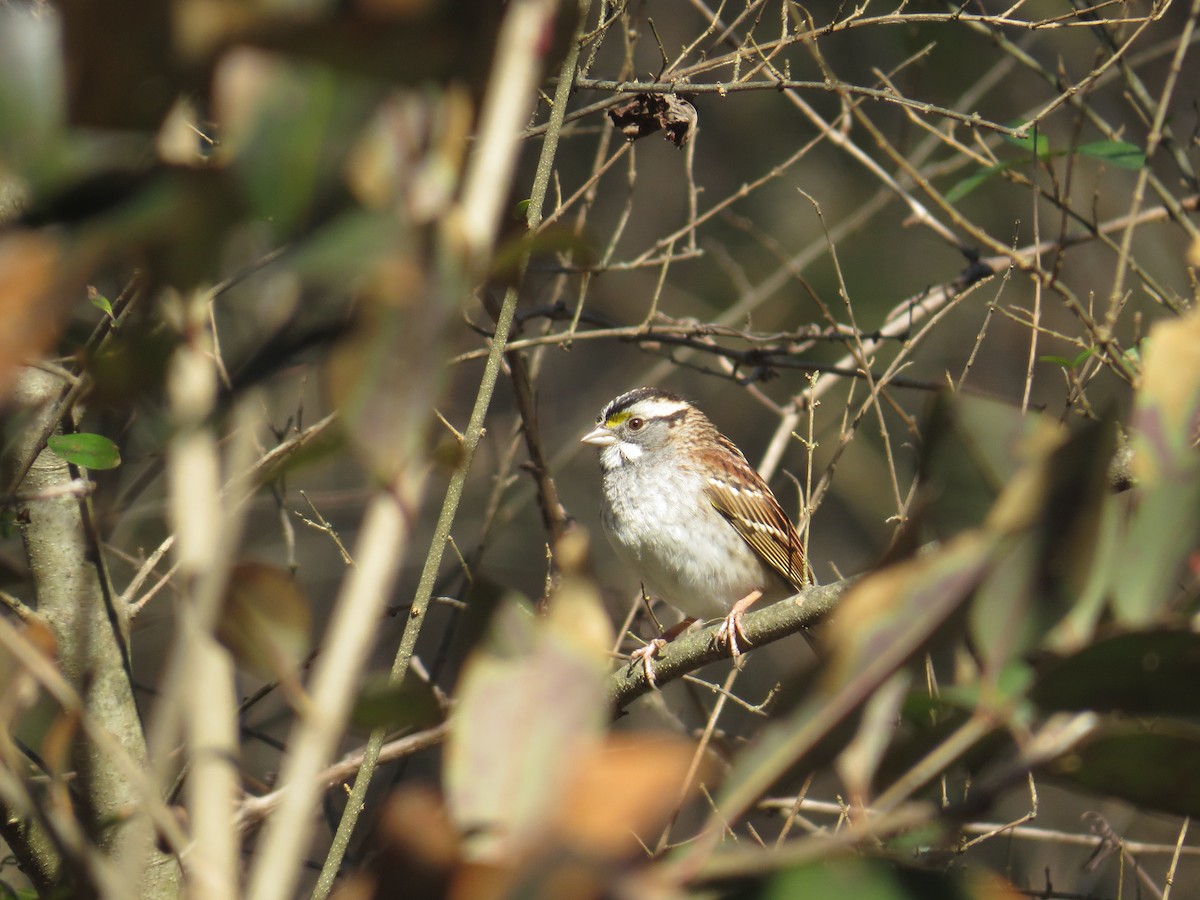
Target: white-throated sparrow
column 692, row 518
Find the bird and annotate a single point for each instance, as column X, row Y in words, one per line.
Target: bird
column 686, row 512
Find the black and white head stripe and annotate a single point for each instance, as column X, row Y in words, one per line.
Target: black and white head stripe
column 651, row 403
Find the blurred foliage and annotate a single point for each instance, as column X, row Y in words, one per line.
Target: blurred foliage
column 265, row 622
column 975, row 232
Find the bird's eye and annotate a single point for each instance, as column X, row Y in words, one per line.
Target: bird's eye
column 635, row 424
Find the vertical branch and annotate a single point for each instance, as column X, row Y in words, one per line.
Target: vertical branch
column 212, row 788
column 356, row 614
column 514, row 74
column 554, row 516
column 512, row 81
column 208, row 532
column 206, row 555
column 75, row 600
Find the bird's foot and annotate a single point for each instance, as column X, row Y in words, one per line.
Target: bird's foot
column 647, row 653
column 646, row 656
column 731, row 627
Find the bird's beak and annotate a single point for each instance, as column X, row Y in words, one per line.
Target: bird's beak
column 600, row 436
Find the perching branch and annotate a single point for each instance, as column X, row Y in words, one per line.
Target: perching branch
column 689, row 652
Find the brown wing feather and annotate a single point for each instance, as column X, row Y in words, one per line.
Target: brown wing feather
column 762, row 523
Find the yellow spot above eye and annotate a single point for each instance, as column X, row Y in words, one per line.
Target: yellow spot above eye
column 617, row 418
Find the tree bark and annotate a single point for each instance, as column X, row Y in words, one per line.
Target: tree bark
column 75, row 599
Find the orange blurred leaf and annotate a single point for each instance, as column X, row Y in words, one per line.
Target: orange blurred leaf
column 622, row 789
column 31, row 291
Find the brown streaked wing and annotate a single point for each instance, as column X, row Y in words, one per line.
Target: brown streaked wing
column 758, row 518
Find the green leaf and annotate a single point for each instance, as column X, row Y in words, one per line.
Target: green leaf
column 99, row 301
column 1069, row 520
column 1121, row 154
column 552, row 240
column 32, row 96
column 287, row 155
column 969, row 184
column 971, row 450
column 1034, row 141
column 1165, row 523
column 1070, row 362
column 927, row 723
column 1150, row 673
column 407, row 704
column 92, row 451
column 1077, row 627
column 1053, row 512
column 1152, row 767
column 881, row 879
column 1159, row 537
column 839, row 878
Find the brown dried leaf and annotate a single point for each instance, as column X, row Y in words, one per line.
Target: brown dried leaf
column 647, row 113
column 266, row 623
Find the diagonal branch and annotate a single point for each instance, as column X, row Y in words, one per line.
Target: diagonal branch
column 690, row 652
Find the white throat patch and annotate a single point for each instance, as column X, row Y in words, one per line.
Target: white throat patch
column 619, row 454
column 630, row 450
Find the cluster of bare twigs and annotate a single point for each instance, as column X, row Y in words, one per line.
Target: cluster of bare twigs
column 1033, row 269
column 994, row 206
